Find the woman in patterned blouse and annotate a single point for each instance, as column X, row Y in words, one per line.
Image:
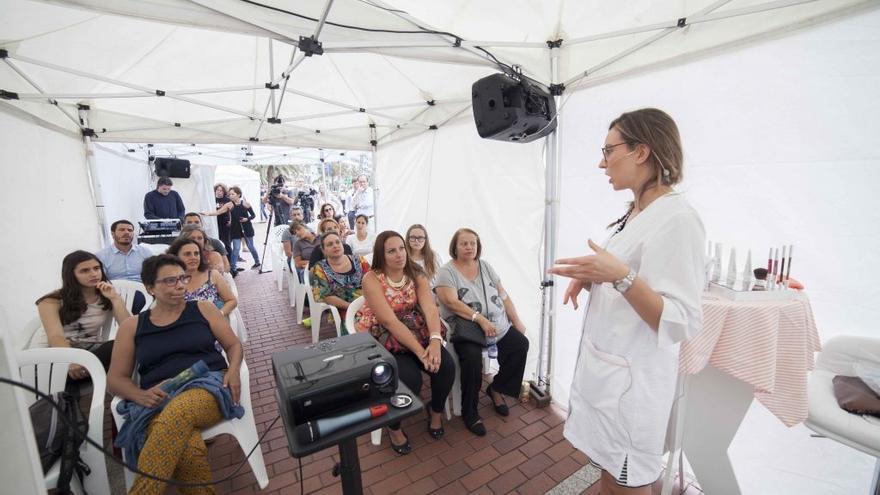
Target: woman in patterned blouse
column 336, row 279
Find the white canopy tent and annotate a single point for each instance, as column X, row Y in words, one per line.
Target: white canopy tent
column 196, row 72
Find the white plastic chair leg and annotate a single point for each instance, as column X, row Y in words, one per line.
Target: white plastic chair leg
column 376, row 437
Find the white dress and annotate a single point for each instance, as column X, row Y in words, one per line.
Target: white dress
column 625, row 377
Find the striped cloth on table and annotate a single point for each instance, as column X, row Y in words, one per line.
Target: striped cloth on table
column 768, row 344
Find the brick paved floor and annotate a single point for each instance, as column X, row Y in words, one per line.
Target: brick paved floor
column 522, row 453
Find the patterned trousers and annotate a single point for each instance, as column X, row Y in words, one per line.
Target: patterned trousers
column 174, row 447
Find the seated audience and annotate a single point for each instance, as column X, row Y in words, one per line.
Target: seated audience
column 162, row 202
column 123, row 259
column 306, row 242
column 336, row 280
column 216, row 245
column 288, row 237
column 79, row 313
column 400, row 313
column 469, row 288
column 361, row 240
column 205, row 283
column 418, row 247
column 162, row 431
column 326, row 226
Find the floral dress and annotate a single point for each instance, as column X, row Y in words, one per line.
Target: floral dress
column 404, row 302
column 346, row 286
column 207, row 292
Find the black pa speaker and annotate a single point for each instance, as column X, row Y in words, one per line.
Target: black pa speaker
column 513, row 110
column 171, row 167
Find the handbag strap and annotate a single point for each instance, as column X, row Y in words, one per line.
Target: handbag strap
column 483, row 283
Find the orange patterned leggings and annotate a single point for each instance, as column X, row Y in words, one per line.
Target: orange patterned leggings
column 174, row 447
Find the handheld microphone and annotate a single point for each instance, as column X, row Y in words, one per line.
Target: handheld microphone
column 312, row 431
column 195, row 371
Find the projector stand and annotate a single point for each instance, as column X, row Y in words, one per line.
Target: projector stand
column 349, row 467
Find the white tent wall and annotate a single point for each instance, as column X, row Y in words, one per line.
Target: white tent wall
column 450, row 178
column 49, row 213
column 778, row 150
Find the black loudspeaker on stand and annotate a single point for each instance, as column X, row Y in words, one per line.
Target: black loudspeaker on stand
column 171, row 167
column 514, row 110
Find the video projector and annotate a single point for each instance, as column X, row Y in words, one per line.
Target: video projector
column 331, row 376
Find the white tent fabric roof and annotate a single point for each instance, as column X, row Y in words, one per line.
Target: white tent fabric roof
column 217, row 57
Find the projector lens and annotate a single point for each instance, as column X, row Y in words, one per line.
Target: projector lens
column 382, row 374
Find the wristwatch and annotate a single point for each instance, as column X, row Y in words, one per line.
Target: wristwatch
column 626, row 282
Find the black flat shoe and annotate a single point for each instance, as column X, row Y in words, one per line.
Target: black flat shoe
column 404, row 449
column 436, row 433
column 502, row 408
column 477, row 427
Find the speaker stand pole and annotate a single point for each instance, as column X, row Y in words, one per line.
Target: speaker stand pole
column 350, row 467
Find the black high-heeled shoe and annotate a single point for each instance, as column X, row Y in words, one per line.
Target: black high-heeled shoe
column 502, row 408
column 404, row 449
column 436, row 433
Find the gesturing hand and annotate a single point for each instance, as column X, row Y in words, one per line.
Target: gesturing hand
column 600, row 267
column 571, row 293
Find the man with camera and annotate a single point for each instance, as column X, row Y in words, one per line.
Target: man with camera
column 280, row 200
column 305, row 198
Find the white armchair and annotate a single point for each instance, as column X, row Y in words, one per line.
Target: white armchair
column 316, row 310
column 839, row 357
column 46, row 370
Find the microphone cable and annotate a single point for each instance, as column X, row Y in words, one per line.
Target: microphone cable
column 123, row 463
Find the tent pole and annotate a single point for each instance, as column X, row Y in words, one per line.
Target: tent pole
column 541, row 389
column 92, row 173
column 374, row 177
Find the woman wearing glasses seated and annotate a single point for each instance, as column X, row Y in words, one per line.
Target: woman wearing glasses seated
column 76, row 314
column 336, row 279
column 418, row 247
column 401, row 314
column 162, row 431
column 204, row 283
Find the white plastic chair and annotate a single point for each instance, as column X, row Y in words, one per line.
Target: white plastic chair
column 244, row 431
column 236, row 321
column 127, row 290
column 46, row 370
column 296, row 294
column 839, row 357
column 316, row 310
column 277, row 251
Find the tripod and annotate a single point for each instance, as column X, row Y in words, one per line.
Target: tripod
column 273, row 223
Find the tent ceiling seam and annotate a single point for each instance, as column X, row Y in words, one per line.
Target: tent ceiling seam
column 48, row 100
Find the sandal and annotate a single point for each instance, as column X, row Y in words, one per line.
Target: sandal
column 477, row 427
column 436, row 433
column 502, row 408
column 404, row 449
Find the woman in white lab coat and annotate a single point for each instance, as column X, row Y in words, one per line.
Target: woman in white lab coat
column 645, row 285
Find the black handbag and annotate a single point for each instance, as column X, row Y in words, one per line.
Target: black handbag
column 468, row 330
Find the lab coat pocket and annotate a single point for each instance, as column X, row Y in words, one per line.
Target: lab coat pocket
column 645, row 408
column 608, row 377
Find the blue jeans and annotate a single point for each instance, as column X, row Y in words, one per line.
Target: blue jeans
column 236, row 248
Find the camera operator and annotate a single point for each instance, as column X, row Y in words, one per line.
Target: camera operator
column 305, row 198
column 280, row 200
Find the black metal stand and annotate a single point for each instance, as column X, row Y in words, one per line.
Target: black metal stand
column 350, row 467
column 269, row 225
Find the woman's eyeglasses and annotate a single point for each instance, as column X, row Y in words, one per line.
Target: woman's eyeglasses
column 172, row 281
column 606, row 150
